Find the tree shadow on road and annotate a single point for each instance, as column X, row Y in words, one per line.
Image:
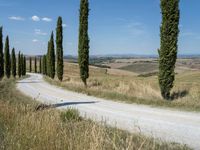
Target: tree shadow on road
column 23, row 82
column 45, row 106
column 72, row 103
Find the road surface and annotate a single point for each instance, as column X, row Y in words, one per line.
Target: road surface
column 165, row 124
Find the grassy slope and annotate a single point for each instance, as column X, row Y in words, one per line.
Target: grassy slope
column 141, row 67
column 133, row 89
column 23, row 128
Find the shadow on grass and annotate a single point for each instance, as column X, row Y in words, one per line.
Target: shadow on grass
column 45, row 106
column 179, row 94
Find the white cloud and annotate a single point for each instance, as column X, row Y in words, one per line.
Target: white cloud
column 39, row 32
column 35, row 18
column 35, row 40
column 17, row 18
column 47, row 19
column 64, row 25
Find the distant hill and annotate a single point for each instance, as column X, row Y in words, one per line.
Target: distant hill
column 127, row 56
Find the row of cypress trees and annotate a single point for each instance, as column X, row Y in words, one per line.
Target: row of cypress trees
column 35, row 65
column 52, row 62
column 8, row 63
column 167, row 53
column 21, row 64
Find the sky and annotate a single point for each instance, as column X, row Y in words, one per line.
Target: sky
column 115, row 26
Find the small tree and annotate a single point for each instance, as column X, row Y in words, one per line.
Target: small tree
column 83, row 47
column 30, row 64
column 13, row 63
column 35, row 64
column 19, row 65
column 59, row 49
column 168, row 50
column 1, row 54
column 7, row 58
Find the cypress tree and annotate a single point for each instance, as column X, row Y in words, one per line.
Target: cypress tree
column 168, row 50
column 83, row 47
column 44, row 65
column 13, row 63
column 19, row 65
column 40, row 65
column 35, row 64
column 22, row 64
column 1, row 54
column 7, row 58
column 43, row 70
column 51, row 57
column 30, row 64
column 59, row 49
column 48, row 59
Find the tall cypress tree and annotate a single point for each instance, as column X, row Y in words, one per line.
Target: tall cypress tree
column 83, row 46
column 1, row 54
column 7, row 58
column 40, row 65
column 51, row 57
column 44, row 65
column 30, row 64
column 48, row 59
column 13, row 63
column 59, row 49
column 25, row 63
column 19, row 65
column 168, row 50
column 35, row 64
column 22, row 64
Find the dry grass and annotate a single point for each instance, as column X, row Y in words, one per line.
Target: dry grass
column 134, row 89
column 23, row 128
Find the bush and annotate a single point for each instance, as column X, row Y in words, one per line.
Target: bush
column 70, row 115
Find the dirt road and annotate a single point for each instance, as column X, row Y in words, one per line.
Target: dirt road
column 170, row 125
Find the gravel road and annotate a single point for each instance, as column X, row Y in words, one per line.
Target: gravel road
column 165, row 124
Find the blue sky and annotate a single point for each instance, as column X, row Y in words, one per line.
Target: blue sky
column 116, row 26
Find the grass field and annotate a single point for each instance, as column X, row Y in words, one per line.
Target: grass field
column 143, row 67
column 115, row 84
column 21, row 127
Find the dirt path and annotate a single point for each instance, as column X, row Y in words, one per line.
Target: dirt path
column 170, row 125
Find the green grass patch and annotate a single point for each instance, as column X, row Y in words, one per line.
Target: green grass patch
column 141, row 67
